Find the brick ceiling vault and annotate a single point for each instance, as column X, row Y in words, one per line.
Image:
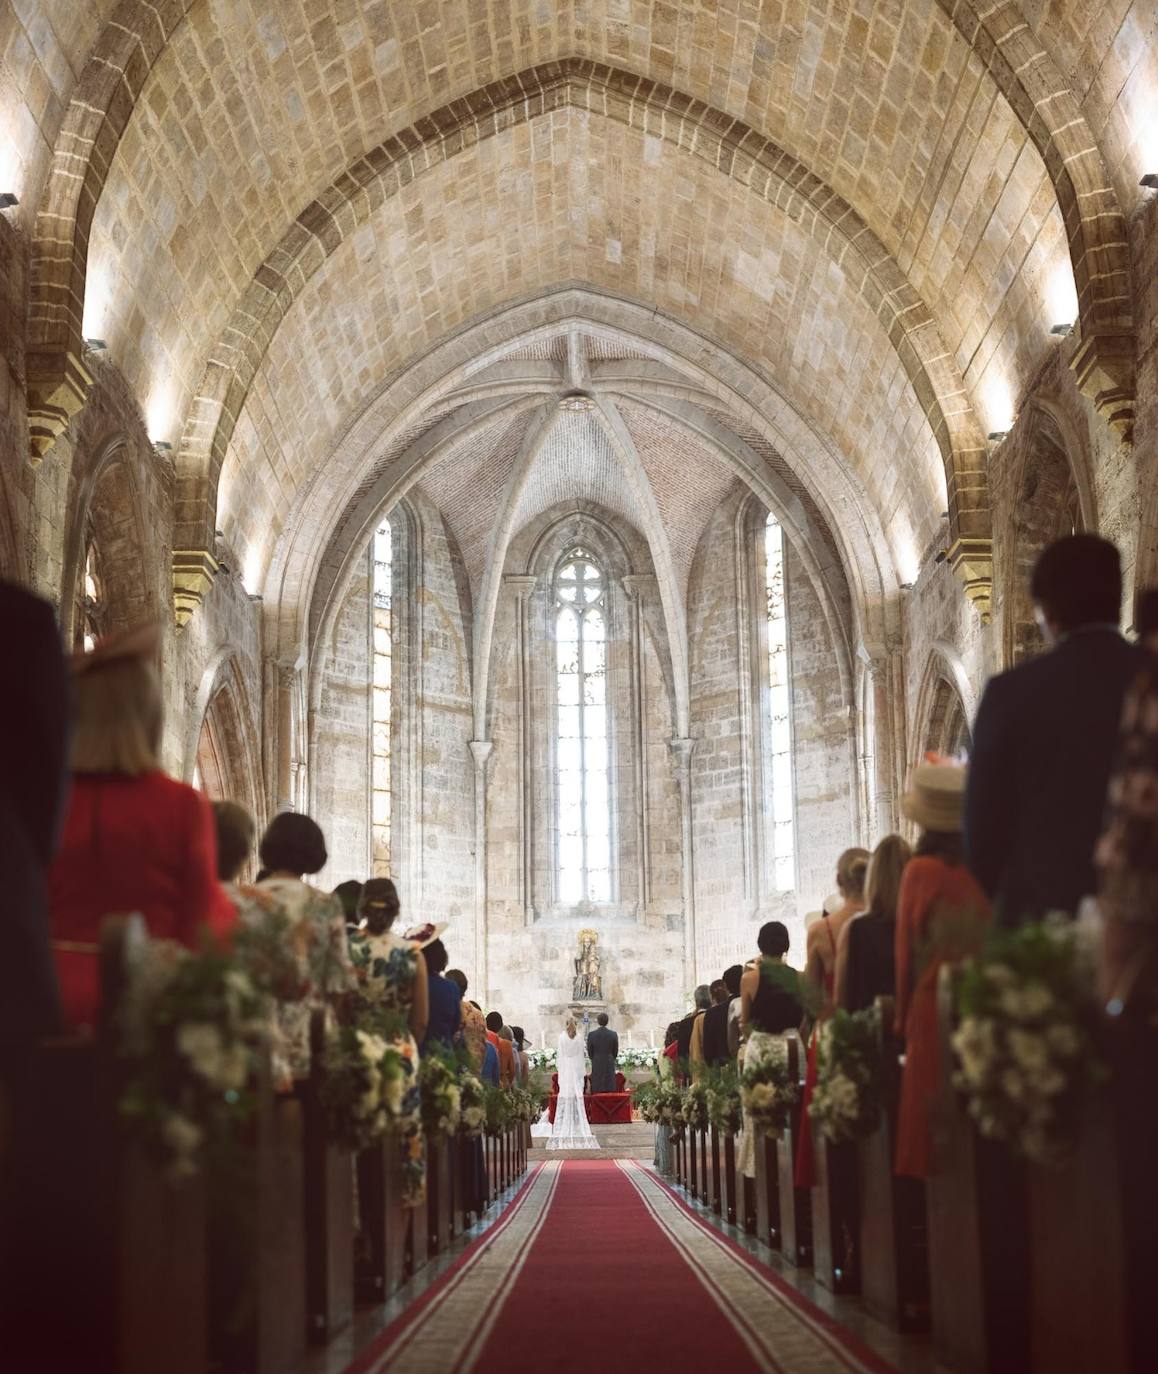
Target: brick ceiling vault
column 824, row 506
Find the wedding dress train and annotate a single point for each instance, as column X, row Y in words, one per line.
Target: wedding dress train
column 571, row 1130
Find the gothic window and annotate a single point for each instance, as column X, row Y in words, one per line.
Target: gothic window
column 778, row 734
column 90, row 602
column 382, row 647
column 583, row 854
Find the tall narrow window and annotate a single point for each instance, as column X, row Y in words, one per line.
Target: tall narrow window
column 90, row 601
column 779, row 712
column 581, row 757
column 381, row 572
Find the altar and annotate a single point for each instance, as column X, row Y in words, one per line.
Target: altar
column 603, row 1109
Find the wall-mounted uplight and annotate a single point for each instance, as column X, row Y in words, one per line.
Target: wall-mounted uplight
column 995, row 436
column 95, row 345
column 1150, row 181
column 162, row 446
column 907, row 586
column 1061, row 330
column 8, row 199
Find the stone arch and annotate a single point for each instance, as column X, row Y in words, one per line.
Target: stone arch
column 946, row 705
column 222, row 741
column 106, row 510
column 1047, row 504
column 727, row 144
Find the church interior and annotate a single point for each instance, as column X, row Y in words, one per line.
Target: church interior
column 584, row 455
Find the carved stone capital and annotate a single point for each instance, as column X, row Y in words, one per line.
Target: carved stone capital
column 972, row 561
column 522, row 584
column 193, row 574
column 481, row 751
column 1103, row 365
column 635, row 584
column 58, row 384
column 681, row 753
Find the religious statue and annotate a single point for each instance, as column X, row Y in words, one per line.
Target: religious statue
column 588, row 985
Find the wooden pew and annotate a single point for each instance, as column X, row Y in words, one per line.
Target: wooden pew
column 766, row 1191
column 715, row 1172
column 114, row 1274
column 439, row 1192
column 835, row 1216
column 705, row 1167
column 329, row 1206
column 692, row 1181
column 978, row 1234
column 795, row 1203
column 384, row 1218
column 730, row 1179
column 257, row 1243
column 895, row 1276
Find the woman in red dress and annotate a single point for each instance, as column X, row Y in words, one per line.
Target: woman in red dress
column 134, row 839
column 942, row 917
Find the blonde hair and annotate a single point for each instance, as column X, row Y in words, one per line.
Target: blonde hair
column 882, row 885
column 116, row 718
column 571, row 1022
column 850, row 872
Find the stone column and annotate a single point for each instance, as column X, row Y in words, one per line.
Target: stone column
column 635, row 584
column 523, row 586
column 480, row 751
column 682, row 757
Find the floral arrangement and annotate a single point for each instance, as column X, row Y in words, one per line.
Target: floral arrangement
column 441, row 1096
column 637, row 1059
column 528, row 1104
column 546, row 1061
column 645, row 1101
column 499, row 1110
column 1028, row 1059
column 767, row 1092
column 472, row 1104
column 846, row 1102
column 696, row 1105
column 670, row 1108
column 724, row 1104
column 192, row 1026
column 368, row 1084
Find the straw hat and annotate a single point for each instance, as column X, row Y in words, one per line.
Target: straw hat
column 936, row 796
column 424, row 935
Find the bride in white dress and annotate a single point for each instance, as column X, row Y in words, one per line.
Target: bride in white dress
column 571, row 1131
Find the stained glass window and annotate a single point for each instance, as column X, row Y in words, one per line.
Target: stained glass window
column 581, row 752
column 779, row 735
column 382, row 647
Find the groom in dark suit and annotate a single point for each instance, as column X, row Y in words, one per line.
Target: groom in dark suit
column 602, row 1049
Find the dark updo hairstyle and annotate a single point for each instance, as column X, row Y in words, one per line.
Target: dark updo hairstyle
column 436, row 957
column 293, row 844
column 378, row 905
column 773, row 939
column 348, row 893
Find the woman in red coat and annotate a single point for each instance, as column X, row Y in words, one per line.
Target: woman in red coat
column 942, row 917
column 134, row 840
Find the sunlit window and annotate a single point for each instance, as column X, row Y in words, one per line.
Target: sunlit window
column 779, row 734
column 581, row 758
column 381, row 571
column 90, row 601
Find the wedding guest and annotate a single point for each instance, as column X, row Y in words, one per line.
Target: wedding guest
column 391, row 973
column 820, row 973
column 503, row 1048
column 664, row 1070
column 770, row 1008
column 942, row 917
column 443, row 998
column 1043, row 743
column 348, row 893
column 292, row 848
column 718, row 993
column 507, row 1037
column 134, row 839
column 523, row 1045
column 864, row 954
column 235, row 834
column 718, row 1018
column 473, row 1033
column 490, row 1066
column 702, row 1000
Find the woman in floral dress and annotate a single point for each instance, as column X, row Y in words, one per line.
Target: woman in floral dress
column 769, row 1009
column 314, row 926
column 391, row 976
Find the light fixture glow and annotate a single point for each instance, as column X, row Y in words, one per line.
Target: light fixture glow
column 97, row 298
column 1061, row 298
column 997, row 403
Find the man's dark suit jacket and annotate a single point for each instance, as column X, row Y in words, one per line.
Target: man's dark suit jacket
column 1043, row 746
column 602, row 1049
column 33, row 788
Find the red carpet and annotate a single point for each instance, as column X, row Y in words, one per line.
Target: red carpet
column 598, row 1267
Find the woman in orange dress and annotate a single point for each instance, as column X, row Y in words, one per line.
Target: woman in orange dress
column 942, row 917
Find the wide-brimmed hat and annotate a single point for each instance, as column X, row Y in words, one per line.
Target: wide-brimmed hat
column 424, row 935
column 936, row 796
column 143, row 642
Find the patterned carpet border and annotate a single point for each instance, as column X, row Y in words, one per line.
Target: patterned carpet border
column 407, row 1344
column 752, row 1319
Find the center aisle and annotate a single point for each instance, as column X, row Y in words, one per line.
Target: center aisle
column 597, row 1266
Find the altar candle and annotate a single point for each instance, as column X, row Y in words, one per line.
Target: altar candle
column 652, row 1034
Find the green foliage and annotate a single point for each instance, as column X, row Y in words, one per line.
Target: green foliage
column 768, row 1091
column 846, row 1103
column 369, row 1084
column 472, row 1104
column 724, row 1104
column 440, row 1094
column 1026, row 1041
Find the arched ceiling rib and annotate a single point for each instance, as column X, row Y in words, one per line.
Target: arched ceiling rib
column 422, row 266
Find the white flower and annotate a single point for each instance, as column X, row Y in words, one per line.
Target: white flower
column 974, row 1042
column 1028, row 1002
column 373, row 1046
column 1029, row 1050
column 200, row 1043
